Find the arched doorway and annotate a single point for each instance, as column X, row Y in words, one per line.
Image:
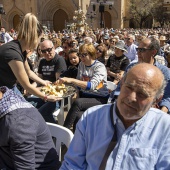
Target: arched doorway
column 149, row 22
column 107, row 19
column 16, row 21
column 59, row 20
column 132, row 23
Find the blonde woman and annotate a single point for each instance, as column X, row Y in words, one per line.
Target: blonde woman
column 14, row 66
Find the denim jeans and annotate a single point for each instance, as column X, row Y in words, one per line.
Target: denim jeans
column 45, row 108
column 16, row 90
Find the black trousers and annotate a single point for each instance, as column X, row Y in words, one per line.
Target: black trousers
column 78, row 107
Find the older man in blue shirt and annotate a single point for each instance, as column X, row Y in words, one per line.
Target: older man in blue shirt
column 147, row 51
column 143, row 133
column 131, row 48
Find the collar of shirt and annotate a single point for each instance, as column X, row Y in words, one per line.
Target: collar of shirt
column 155, row 63
column 11, row 101
column 120, row 124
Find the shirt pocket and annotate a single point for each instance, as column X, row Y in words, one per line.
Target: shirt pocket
column 141, row 158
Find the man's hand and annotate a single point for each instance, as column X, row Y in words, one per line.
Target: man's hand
column 164, row 109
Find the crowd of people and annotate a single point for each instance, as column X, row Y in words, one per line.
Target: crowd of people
column 137, row 61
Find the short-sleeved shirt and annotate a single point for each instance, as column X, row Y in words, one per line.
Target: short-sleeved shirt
column 9, row 51
column 48, row 69
column 71, row 72
column 116, row 64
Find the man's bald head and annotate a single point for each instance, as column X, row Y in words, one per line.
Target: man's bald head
column 151, row 75
column 142, row 87
column 46, row 43
column 47, row 49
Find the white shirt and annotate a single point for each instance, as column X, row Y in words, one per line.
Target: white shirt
column 132, row 53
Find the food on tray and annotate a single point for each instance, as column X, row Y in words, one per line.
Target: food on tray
column 57, row 90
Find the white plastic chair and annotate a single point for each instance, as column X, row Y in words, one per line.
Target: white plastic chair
column 111, row 86
column 62, row 135
column 56, row 113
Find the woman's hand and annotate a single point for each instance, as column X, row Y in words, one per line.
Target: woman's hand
column 46, row 82
column 64, row 80
column 53, row 98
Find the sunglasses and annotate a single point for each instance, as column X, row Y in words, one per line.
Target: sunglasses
column 127, row 38
column 112, row 41
column 100, row 51
column 141, row 50
column 47, row 50
column 82, row 54
column 65, row 47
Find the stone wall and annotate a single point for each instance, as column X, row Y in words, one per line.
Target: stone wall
column 58, row 13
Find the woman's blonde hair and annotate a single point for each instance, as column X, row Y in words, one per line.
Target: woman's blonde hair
column 90, row 49
column 30, row 30
column 56, row 42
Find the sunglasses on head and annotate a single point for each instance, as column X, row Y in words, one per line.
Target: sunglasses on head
column 47, row 50
column 141, row 50
column 82, row 54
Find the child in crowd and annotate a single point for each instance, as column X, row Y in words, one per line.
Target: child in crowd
column 72, row 70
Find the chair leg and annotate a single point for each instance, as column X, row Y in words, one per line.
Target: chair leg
column 69, row 103
column 61, row 114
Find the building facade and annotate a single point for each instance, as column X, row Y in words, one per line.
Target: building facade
column 58, row 14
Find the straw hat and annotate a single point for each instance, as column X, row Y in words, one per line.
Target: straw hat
column 162, row 38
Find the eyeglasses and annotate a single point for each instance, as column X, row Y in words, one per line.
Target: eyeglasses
column 65, row 47
column 100, row 51
column 141, row 50
column 82, row 54
column 42, row 39
column 47, row 50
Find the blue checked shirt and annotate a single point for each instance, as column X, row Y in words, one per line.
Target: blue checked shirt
column 144, row 145
column 11, row 101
